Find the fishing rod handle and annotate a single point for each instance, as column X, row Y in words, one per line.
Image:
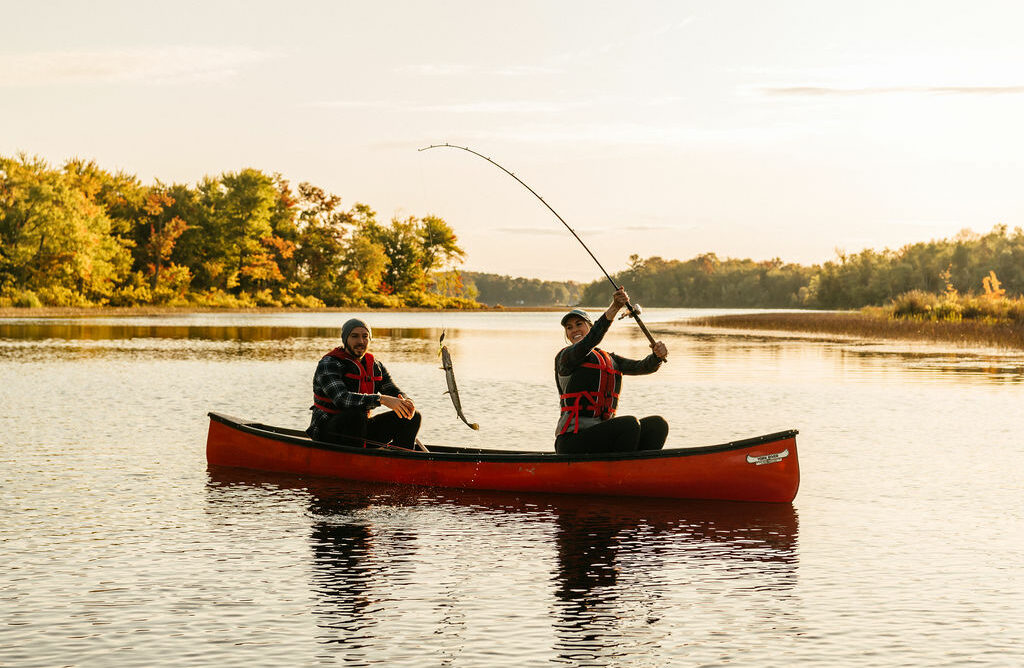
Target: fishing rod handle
column 642, row 326
column 634, row 313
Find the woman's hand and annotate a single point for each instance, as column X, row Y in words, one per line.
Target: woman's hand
column 660, row 350
column 401, row 404
column 619, row 299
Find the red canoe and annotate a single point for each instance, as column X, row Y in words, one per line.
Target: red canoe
column 763, row 468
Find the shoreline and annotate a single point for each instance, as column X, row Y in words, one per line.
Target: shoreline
column 861, row 325
column 108, row 311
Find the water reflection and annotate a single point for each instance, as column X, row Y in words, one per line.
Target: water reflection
column 344, row 570
column 90, row 331
column 613, row 554
column 475, row 338
column 1005, row 368
column 264, row 344
column 617, row 567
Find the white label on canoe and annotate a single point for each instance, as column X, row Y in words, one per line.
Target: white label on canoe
column 768, row 459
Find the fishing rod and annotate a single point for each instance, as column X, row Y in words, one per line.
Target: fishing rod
column 634, row 312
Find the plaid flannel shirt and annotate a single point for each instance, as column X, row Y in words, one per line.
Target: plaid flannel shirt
column 329, row 381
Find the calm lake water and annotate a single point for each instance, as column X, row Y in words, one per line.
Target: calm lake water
column 120, row 547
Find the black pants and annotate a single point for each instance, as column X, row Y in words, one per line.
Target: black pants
column 619, row 434
column 353, row 427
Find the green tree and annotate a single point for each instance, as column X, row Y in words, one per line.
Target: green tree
column 414, row 248
column 402, row 244
column 364, row 265
column 440, row 245
column 320, row 252
column 225, row 244
column 509, row 291
column 55, row 237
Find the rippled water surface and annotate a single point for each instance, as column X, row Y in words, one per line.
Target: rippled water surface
column 120, row 547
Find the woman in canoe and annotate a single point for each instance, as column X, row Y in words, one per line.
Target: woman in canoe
column 589, row 380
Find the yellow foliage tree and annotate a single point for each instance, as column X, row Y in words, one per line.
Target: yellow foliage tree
column 992, row 286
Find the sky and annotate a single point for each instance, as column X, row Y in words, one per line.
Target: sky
column 752, row 129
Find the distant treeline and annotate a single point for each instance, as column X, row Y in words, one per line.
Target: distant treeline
column 495, row 290
column 79, row 235
column 868, row 278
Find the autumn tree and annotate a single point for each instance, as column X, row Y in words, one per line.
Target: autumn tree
column 161, row 227
column 55, row 236
column 230, row 243
column 322, row 227
column 414, row 248
column 83, row 235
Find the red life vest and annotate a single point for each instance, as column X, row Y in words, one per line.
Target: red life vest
column 592, row 390
column 362, row 380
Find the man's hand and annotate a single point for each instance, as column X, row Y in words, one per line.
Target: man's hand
column 401, row 404
column 660, row 350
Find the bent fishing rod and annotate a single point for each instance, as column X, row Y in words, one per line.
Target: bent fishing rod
column 634, row 312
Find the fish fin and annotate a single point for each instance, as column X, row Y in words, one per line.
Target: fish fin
column 447, row 392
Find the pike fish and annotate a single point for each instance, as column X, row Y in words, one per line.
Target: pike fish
column 449, row 376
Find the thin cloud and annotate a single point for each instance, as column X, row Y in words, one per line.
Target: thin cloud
column 517, row 106
column 530, row 231
column 456, row 70
column 834, row 91
column 636, row 134
column 557, row 64
column 554, row 230
column 502, row 107
column 651, row 228
column 155, row 66
column 474, row 107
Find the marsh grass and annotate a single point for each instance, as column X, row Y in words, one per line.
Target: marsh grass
column 879, row 323
column 988, row 319
column 990, row 308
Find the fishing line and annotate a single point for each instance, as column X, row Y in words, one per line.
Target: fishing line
column 634, row 312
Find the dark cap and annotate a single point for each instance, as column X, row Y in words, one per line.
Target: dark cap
column 577, row 313
column 349, row 325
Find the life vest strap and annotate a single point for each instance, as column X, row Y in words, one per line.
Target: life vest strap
column 573, row 408
column 365, row 376
column 325, row 404
column 601, row 402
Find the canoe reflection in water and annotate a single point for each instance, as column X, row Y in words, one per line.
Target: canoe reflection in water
column 611, row 577
column 623, row 567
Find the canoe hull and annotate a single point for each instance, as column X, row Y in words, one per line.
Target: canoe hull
column 761, row 469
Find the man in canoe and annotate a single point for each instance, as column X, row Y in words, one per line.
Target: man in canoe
column 347, row 385
column 589, row 380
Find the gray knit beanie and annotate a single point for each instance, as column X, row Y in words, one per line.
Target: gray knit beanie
column 349, row 325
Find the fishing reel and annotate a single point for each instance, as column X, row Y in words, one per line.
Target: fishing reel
column 629, row 314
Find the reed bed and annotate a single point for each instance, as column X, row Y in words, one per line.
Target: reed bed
column 876, row 323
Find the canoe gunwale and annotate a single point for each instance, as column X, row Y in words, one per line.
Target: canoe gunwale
column 448, row 453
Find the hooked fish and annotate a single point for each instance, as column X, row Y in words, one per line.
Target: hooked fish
column 449, row 375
